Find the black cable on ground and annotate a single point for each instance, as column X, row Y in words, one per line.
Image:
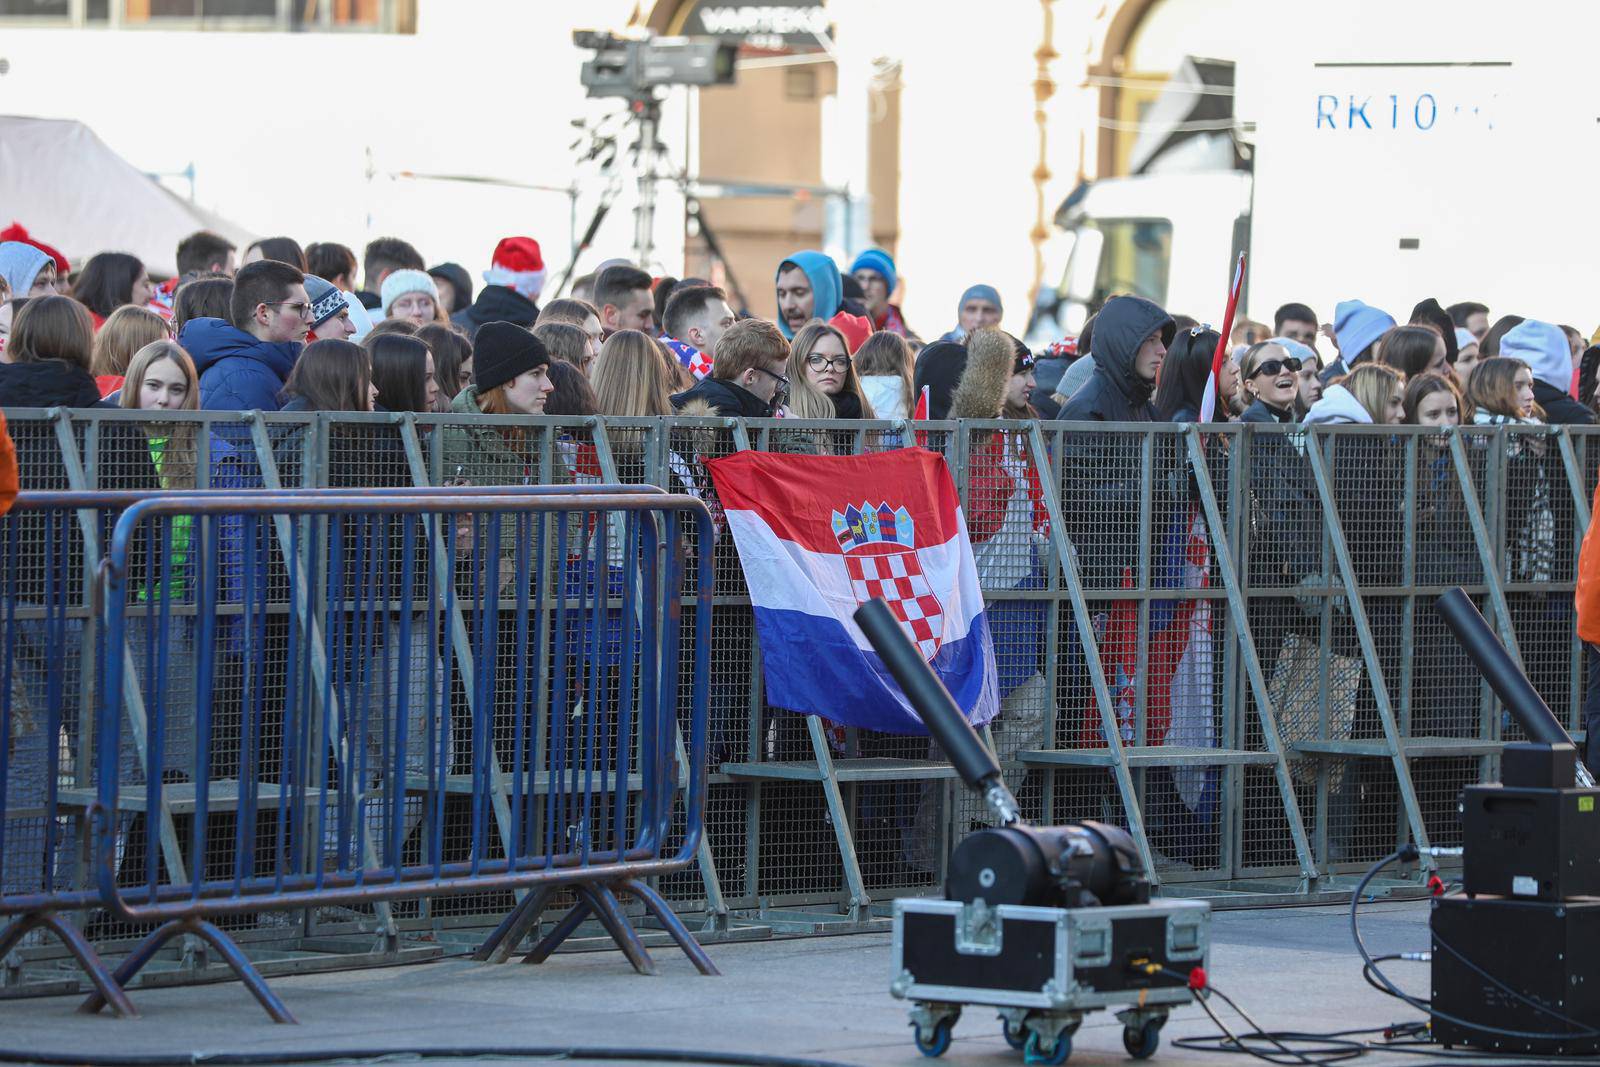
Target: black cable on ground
column 360, row 1055
column 1409, row 852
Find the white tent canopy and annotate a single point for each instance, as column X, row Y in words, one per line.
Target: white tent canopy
column 73, row 192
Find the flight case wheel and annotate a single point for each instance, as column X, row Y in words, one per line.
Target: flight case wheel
column 1033, row 1053
column 1016, row 1034
column 1142, row 1042
column 937, row 1042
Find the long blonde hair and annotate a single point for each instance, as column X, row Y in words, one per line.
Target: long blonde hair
column 129, row 330
column 630, row 377
column 806, row 401
column 178, row 457
column 1372, row 384
column 886, row 354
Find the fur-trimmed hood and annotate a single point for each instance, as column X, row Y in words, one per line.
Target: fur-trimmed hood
column 982, row 389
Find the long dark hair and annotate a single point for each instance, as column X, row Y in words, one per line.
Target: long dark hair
column 331, row 376
column 1409, row 349
column 451, row 349
column 283, row 249
column 203, row 298
column 573, row 395
column 106, row 282
column 1182, row 382
column 51, row 327
column 400, row 371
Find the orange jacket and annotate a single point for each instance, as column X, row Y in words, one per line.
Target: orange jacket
column 8, row 468
column 1587, row 596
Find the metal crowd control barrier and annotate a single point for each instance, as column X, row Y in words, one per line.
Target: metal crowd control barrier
column 1220, row 637
column 47, row 754
column 335, row 717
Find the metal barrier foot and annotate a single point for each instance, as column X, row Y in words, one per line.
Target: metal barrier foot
column 145, row 951
column 108, row 990
column 498, row 946
column 657, row 905
column 609, row 911
column 562, row 931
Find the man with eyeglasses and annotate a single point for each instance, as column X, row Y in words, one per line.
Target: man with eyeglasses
column 747, row 374
column 244, row 362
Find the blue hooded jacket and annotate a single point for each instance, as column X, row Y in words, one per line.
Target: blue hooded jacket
column 826, row 287
column 237, row 372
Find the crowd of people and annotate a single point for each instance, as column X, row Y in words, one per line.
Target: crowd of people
column 281, row 327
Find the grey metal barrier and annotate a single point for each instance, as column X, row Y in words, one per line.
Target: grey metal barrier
column 1220, row 637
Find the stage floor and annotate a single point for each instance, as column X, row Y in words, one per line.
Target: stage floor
column 821, row 997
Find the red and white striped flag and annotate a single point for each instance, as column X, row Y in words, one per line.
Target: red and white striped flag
column 921, row 411
column 1208, row 402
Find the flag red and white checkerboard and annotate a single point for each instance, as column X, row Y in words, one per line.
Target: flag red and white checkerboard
column 897, row 577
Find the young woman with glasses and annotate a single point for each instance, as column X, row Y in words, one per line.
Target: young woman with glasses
column 823, row 383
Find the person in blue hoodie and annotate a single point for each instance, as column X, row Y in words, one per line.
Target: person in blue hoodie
column 809, row 288
column 244, row 362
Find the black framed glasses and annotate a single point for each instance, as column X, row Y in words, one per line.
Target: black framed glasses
column 303, row 309
column 783, row 382
column 820, row 362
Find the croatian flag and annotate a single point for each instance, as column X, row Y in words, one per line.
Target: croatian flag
column 820, row 535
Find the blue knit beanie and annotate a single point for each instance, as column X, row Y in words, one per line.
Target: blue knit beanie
column 1543, row 347
column 20, row 264
column 981, row 292
column 1356, row 325
column 876, row 259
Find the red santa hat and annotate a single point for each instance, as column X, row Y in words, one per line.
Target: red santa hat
column 15, row 232
column 519, row 265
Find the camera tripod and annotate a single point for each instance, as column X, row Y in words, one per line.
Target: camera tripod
column 648, row 156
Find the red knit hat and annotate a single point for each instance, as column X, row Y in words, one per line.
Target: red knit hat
column 856, row 329
column 519, row 265
column 15, row 232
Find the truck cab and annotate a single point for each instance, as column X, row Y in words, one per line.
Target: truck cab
column 1170, row 238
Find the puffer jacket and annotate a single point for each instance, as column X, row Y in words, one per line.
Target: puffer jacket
column 238, row 372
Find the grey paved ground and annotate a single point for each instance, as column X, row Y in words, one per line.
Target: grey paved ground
column 819, row 997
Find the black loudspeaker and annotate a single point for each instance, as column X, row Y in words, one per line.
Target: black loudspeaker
column 1548, row 953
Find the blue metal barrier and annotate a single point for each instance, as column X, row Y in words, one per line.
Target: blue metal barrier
column 331, row 692
column 47, row 755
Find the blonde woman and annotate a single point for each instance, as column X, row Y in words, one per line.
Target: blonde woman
column 822, row 376
column 630, row 377
column 128, row 330
column 161, row 378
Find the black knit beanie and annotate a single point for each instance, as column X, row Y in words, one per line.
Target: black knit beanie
column 501, row 351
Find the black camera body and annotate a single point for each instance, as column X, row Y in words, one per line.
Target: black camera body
column 633, row 68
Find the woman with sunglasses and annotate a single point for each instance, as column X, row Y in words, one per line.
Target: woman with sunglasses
column 1271, row 383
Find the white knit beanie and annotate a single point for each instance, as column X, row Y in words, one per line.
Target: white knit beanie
column 401, row 282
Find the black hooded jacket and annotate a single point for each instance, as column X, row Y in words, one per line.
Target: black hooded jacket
column 1114, row 393
column 1104, row 475
column 497, row 303
column 459, row 280
column 1559, row 407
column 724, row 399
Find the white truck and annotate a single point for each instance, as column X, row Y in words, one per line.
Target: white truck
column 1462, row 174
